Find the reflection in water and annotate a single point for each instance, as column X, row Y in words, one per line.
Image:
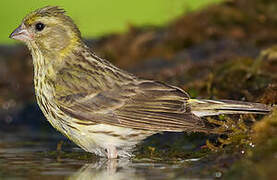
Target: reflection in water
column 108, row 170
column 124, row 169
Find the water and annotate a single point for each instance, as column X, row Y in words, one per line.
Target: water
column 33, row 155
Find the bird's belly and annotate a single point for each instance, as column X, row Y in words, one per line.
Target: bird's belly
column 97, row 138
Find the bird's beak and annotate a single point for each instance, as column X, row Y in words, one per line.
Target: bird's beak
column 21, row 34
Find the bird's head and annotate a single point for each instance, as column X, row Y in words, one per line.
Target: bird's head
column 49, row 30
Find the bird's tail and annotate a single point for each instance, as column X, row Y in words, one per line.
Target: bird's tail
column 203, row 107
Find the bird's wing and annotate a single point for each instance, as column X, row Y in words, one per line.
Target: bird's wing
column 147, row 105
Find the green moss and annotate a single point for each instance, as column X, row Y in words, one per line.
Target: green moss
column 260, row 161
column 69, row 155
column 177, row 147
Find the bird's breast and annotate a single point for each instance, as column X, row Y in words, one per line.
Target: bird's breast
column 44, row 95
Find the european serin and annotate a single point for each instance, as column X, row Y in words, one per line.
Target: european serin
column 100, row 107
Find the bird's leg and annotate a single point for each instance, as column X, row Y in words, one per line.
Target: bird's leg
column 111, row 152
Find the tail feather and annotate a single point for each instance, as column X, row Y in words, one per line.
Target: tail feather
column 203, row 107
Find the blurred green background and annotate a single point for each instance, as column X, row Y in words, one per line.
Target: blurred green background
column 99, row 17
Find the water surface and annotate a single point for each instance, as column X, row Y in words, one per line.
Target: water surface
column 33, row 155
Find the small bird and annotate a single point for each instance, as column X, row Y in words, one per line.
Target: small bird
column 98, row 106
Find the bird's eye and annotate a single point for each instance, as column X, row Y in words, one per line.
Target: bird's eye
column 40, row 26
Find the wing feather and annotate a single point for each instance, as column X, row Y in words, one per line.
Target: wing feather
column 141, row 104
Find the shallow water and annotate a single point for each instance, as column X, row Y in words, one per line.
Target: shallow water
column 25, row 155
